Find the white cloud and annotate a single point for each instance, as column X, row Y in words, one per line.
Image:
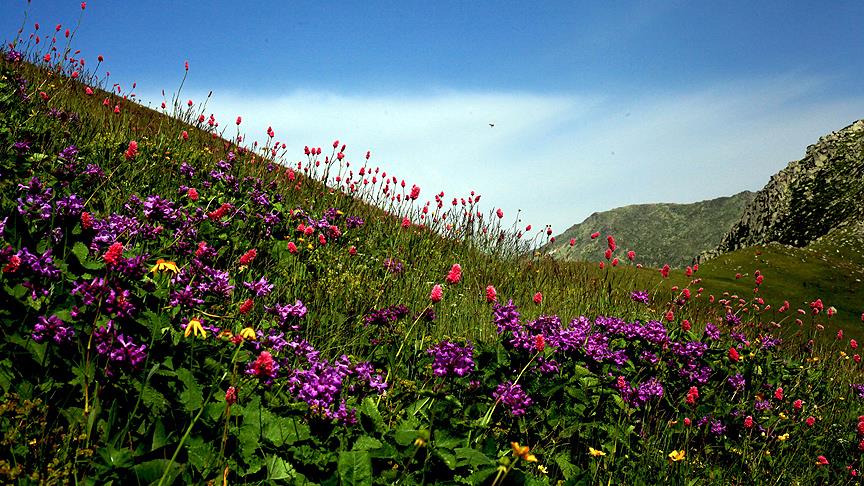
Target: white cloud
column 561, row 157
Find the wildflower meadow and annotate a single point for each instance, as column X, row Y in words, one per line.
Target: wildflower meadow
column 180, row 306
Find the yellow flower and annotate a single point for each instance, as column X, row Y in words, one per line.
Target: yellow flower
column 676, row 456
column 165, row 266
column 194, row 326
column 419, row 442
column 783, row 437
column 226, row 334
column 248, row 333
column 522, row 452
column 542, row 469
column 595, row 453
column 783, row 416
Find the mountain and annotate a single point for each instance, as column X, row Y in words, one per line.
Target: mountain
column 819, row 196
column 659, row 233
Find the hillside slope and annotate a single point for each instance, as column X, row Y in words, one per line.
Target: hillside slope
column 659, row 233
column 809, row 198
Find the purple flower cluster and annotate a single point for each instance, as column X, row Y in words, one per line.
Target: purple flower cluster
column 641, row 394
column 36, row 200
column 640, row 296
column 393, row 266
column 506, row 317
column 352, row 222
column 52, row 328
column 261, row 288
column 513, row 396
column 120, row 350
column 385, row 316
column 451, row 359
column 712, row 332
column 287, row 313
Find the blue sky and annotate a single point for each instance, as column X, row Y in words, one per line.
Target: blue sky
column 595, row 104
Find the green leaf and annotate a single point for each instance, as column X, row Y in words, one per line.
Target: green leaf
column 192, row 396
column 82, row 253
column 370, row 409
column 471, row 457
column 366, row 443
column 201, row 453
column 151, row 471
column 278, row 468
column 115, row 458
column 355, row 467
column 281, row 431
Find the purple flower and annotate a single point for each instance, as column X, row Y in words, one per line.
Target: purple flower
column 284, row 313
column 69, row 153
column 732, row 320
column 53, row 328
column 506, row 317
column 858, row 389
column 21, row 147
column 35, row 202
column 352, row 222
column 712, row 332
column 640, row 296
column 762, row 405
column 260, row 288
column 451, row 359
column 513, row 396
column 736, row 382
column 769, row 342
column 393, row 266
column 717, row 427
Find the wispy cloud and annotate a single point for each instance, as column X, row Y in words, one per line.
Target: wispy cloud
column 558, row 157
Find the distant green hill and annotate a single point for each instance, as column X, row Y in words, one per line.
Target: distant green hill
column 659, row 233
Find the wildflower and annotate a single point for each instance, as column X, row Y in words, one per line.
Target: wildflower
column 692, row 395
column 292, row 248
column 687, row 422
column 491, row 294
column 165, row 266
column 853, row 344
column 52, row 327
column 406, row 223
column 261, row 288
column 631, row 255
column 231, row 395
column 450, row 358
column 685, row 325
column 676, row 456
column 670, row 316
column 822, row 461
column 499, row 213
column 514, row 397
column 538, row 298
column 194, row 327
column 415, row 192
column 665, row 271
column 594, row 235
column 640, row 296
column 522, row 452
column 455, row 274
column 132, row 150
column 246, row 306
column 436, row 293
column 248, row 333
column 778, row 393
column 248, row 257
column 264, row 367
column 12, row 266
column 112, row 256
column 810, row 421
column 192, row 194
column 797, row 404
column 351, row 251
column 733, row 354
column 595, row 453
column 748, row 422
column 539, row 343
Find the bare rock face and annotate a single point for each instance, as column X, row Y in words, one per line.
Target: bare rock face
column 807, row 199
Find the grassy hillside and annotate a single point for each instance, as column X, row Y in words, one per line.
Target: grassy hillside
column 178, row 308
column 659, row 233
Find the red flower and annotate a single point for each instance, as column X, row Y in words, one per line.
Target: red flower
column 500, row 213
column 797, row 404
column 12, row 266
column 665, row 271
column 248, row 257
column 132, row 150
column 733, row 354
column 631, row 255
column 184, row 135
column 192, row 193
column 86, row 220
column 615, row 262
column 112, row 256
column 539, row 342
column 231, row 395
column 778, row 393
column 595, row 235
column 292, row 248
column 670, row 315
column 810, row 421
column 821, row 461
column 685, row 324
column 436, row 294
column 455, row 274
column 759, row 279
column 748, row 422
column 406, row 222
column 246, row 306
column 607, row 253
column 491, row 294
column 840, row 334
column 415, row 192
column 692, row 395
column 610, row 241
column 857, row 358
column 572, row 241
column 687, row 422
column 538, row 298
column 688, row 271
column 322, row 239
column 853, row 344
column 352, row 251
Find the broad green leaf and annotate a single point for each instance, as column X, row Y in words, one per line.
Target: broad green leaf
column 471, row 457
column 355, row 468
column 192, row 396
column 366, row 443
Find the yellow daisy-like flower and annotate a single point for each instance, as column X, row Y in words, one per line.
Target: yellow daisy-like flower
column 194, row 326
column 677, row 456
column 783, row 416
column 248, row 333
column 226, row 334
column 595, row 453
column 523, row 452
column 783, row 438
column 165, row 266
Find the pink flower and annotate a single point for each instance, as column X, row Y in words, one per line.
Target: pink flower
column 748, row 422
column 733, row 354
column 246, row 306
column 436, row 294
column 184, row 135
column 131, row 151
column 670, row 315
column 821, row 461
column 112, row 256
column 810, row 421
column 192, row 193
column 491, row 294
column 231, row 395
column 610, row 240
column 292, row 248
column 455, row 274
column 594, row 235
column 797, row 404
column 692, row 395
column 500, row 213
column 538, row 298
column 778, row 393
column 608, row 253
column 615, row 262
column 352, row 251
column 406, row 222
column 685, row 324
column 853, row 344
column 665, row 271
column 415, row 192
column 631, row 255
